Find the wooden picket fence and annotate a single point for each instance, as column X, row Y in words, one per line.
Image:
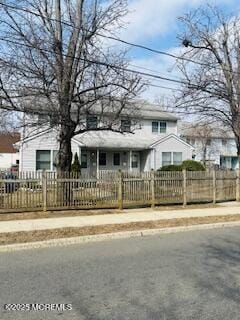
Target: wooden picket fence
column 113, row 189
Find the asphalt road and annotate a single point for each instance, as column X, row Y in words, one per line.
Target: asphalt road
column 192, row 275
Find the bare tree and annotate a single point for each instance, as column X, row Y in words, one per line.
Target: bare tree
column 210, row 67
column 9, row 121
column 205, row 139
column 54, row 59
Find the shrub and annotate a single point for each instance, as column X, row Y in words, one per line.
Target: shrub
column 192, row 165
column 76, row 167
column 189, row 165
column 171, row 167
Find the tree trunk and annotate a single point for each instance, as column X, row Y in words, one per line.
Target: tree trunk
column 64, row 188
column 238, row 149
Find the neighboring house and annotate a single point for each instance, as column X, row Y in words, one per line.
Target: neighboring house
column 153, row 143
column 213, row 144
column 9, row 156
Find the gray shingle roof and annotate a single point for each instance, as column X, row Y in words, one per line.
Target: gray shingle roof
column 114, row 140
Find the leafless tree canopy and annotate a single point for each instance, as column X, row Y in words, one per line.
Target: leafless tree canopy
column 53, row 58
column 212, row 81
column 203, row 136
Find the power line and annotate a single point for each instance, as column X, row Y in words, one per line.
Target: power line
column 149, row 84
column 155, row 76
column 189, row 84
column 140, row 46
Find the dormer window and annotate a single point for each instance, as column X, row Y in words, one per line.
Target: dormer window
column 91, row 122
column 125, row 125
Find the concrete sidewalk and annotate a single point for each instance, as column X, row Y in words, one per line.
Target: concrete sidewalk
column 136, row 215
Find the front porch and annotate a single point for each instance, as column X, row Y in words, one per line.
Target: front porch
column 95, row 160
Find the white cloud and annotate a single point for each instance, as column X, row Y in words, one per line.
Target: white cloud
column 149, row 18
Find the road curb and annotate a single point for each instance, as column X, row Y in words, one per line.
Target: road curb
column 112, row 236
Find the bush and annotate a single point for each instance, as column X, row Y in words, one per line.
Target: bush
column 192, row 165
column 76, row 167
column 189, row 165
column 171, row 167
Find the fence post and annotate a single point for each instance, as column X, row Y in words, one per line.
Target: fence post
column 44, row 190
column 152, row 183
column 120, row 190
column 238, row 185
column 184, row 172
column 214, row 181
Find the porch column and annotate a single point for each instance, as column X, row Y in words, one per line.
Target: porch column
column 97, row 163
column 152, row 159
column 139, row 161
column 130, row 160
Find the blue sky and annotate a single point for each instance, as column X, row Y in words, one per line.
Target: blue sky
column 154, row 23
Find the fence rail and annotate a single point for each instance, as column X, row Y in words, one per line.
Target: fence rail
column 51, row 191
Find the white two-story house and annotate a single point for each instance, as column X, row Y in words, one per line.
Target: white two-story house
column 152, row 143
column 213, row 144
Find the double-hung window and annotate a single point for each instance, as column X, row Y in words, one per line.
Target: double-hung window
column 166, row 158
column 43, row 160
column 92, row 122
column 177, row 158
column 159, row 126
column 169, row 158
column 163, row 127
column 125, row 125
column 155, row 127
column 134, row 160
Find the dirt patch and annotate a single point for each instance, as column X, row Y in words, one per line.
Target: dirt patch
column 40, row 235
column 75, row 213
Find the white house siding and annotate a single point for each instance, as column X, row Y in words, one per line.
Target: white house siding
column 8, row 159
column 216, row 150
column 146, row 128
column 171, row 145
column 46, row 141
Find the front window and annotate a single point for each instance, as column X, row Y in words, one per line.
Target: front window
column 177, row 158
column 116, row 159
column 155, row 127
column 91, row 122
column 125, row 125
column 166, row 158
column 163, row 127
column 102, row 159
column 134, row 160
column 43, row 160
column 83, row 160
